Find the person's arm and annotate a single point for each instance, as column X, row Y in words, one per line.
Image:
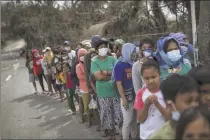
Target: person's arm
column 79, row 73
column 62, row 78
column 93, row 86
column 98, row 73
column 166, row 113
column 65, row 76
column 142, row 107
column 118, row 76
column 143, row 114
column 136, row 77
column 121, row 90
column 101, row 77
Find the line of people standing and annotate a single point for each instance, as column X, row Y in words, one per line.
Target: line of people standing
column 141, row 89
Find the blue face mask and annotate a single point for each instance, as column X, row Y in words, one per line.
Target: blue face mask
column 175, row 115
column 174, row 55
column 147, row 53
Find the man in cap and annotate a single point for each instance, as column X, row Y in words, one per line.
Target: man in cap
column 71, row 53
column 118, row 46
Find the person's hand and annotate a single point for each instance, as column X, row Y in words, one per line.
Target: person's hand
column 104, row 72
column 125, row 104
column 155, row 100
column 148, row 101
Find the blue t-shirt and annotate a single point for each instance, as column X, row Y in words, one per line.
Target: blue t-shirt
column 123, row 72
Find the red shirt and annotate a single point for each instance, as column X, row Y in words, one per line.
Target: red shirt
column 36, row 67
column 69, row 83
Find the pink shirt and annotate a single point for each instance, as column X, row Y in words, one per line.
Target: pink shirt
column 80, row 70
column 69, row 83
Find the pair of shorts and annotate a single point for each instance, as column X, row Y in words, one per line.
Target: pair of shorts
column 59, row 87
column 31, row 78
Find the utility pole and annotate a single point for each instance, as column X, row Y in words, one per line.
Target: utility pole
column 194, row 31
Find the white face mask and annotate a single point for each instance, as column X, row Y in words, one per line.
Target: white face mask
column 64, row 57
column 102, row 51
column 67, row 48
column 174, row 55
column 175, row 115
column 81, row 58
column 56, row 60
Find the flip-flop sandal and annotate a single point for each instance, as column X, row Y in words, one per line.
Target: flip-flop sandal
column 104, row 134
column 88, row 125
column 98, row 129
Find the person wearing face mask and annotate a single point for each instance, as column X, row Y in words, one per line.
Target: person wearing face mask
column 171, row 57
column 84, row 96
column 184, row 42
column 37, row 68
column 109, row 102
column 118, row 46
column 123, row 78
column 146, row 48
column 180, row 93
column 71, row 53
column 90, row 82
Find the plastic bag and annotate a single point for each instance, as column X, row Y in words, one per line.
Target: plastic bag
column 92, row 104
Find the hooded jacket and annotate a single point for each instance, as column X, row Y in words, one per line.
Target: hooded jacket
column 80, row 70
column 162, row 57
column 87, row 64
column 180, row 38
column 37, row 67
column 165, row 63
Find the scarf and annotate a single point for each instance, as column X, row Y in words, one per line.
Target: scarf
column 162, row 57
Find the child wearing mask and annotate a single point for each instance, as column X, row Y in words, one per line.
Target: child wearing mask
column 146, row 49
column 202, row 76
column 82, row 84
column 149, row 101
column 194, row 124
column 180, row 93
column 60, row 81
column 70, row 88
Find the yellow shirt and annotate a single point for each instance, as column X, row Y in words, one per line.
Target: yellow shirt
column 166, row 132
column 61, row 77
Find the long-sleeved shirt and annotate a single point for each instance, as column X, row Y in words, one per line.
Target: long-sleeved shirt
column 44, row 66
column 81, row 76
column 136, row 76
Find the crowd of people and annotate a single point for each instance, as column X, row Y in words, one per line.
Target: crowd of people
column 148, row 90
